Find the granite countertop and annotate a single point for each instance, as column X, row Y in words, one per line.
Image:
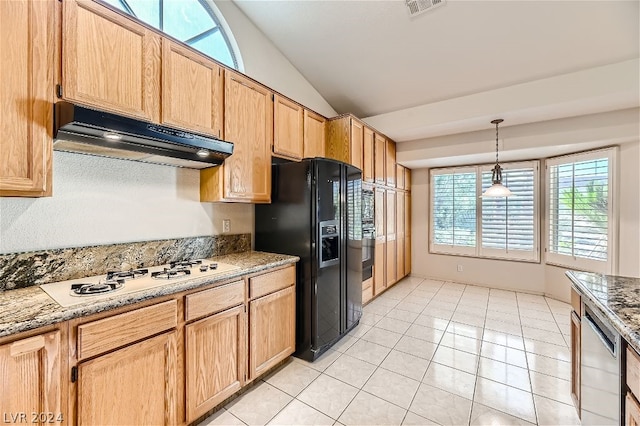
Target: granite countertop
column 29, row 308
column 618, row 298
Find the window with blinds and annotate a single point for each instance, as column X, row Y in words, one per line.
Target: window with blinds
column 580, row 210
column 454, row 210
column 463, row 223
column 509, row 225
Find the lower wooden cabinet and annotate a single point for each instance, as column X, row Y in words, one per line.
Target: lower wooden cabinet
column 272, row 337
column 367, row 290
column 631, row 411
column 133, row 385
column 379, row 267
column 168, row 362
column 575, row 360
column 31, row 380
column 215, row 354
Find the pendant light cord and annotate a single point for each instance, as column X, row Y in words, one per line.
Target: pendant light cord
column 497, row 122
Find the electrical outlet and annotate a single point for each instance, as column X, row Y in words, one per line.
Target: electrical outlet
column 226, row 225
column 459, row 268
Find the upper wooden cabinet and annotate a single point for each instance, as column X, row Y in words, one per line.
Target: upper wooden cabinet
column 314, row 134
column 288, row 134
column 380, row 159
column 355, row 152
column 390, row 169
column 407, row 179
column 192, row 90
column 400, row 177
column 344, row 140
column 27, row 43
column 109, row 61
column 245, row 176
column 31, row 372
column 368, row 161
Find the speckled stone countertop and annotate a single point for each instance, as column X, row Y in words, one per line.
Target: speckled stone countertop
column 618, row 298
column 29, row 308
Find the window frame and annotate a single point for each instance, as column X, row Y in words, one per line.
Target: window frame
column 442, row 248
column 478, row 251
column 518, row 255
column 610, row 265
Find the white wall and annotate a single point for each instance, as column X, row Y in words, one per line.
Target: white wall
column 266, row 64
column 534, row 277
column 101, row 201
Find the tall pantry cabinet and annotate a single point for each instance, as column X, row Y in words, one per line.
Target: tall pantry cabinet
column 28, row 43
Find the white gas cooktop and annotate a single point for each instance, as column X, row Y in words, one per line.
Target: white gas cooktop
column 78, row 291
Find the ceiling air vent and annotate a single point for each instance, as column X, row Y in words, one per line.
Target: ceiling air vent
column 418, row 7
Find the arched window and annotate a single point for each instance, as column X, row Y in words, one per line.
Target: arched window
column 193, row 22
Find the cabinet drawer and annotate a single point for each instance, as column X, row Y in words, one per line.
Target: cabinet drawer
column 367, row 283
column 213, row 300
column 367, row 294
column 633, row 372
column 271, row 281
column 110, row 333
column 575, row 301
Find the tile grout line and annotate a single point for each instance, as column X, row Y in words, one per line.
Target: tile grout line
column 526, row 358
column 475, row 386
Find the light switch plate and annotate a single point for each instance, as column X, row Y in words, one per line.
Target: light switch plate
column 226, row 225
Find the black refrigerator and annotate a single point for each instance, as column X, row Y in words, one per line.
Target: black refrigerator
column 316, row 214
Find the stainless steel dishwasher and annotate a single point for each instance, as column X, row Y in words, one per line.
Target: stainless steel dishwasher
column 600, row 370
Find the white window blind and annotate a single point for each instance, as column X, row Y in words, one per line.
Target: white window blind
column 580, row 210
column 465, row 224
column 509, row 226
column 453, row 212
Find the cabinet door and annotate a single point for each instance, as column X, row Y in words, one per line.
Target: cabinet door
column 110, row 61
column 367, row 155
column 272, row 324
column 192, row 90
column 407, row 179
column 314, row 136
column 288, row 128
column 390, row 168
column 400, row 235
column 338, row 145
column 632, row 411
column 215, row 360
column 112, row 389
column 379, row 265
column 245, row 176
column 407, row 233
column 30, row 377
column 355, row 153
column 575, row 360
column 407, row 255
column 27, row 43
column 380, row 159
column 400, row 177
column 390, row 212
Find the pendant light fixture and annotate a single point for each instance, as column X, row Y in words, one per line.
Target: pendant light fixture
column 497, row 189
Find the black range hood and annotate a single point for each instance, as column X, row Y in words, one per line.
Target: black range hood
column 89, row 131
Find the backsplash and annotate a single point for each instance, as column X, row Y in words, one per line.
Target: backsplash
column 19, row 270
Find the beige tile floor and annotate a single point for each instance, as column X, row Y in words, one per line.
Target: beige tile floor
column 428, row 352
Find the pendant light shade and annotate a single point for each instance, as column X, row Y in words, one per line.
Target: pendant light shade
column 497, row 189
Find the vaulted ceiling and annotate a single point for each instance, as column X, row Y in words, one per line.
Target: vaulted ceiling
column 374, row 60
